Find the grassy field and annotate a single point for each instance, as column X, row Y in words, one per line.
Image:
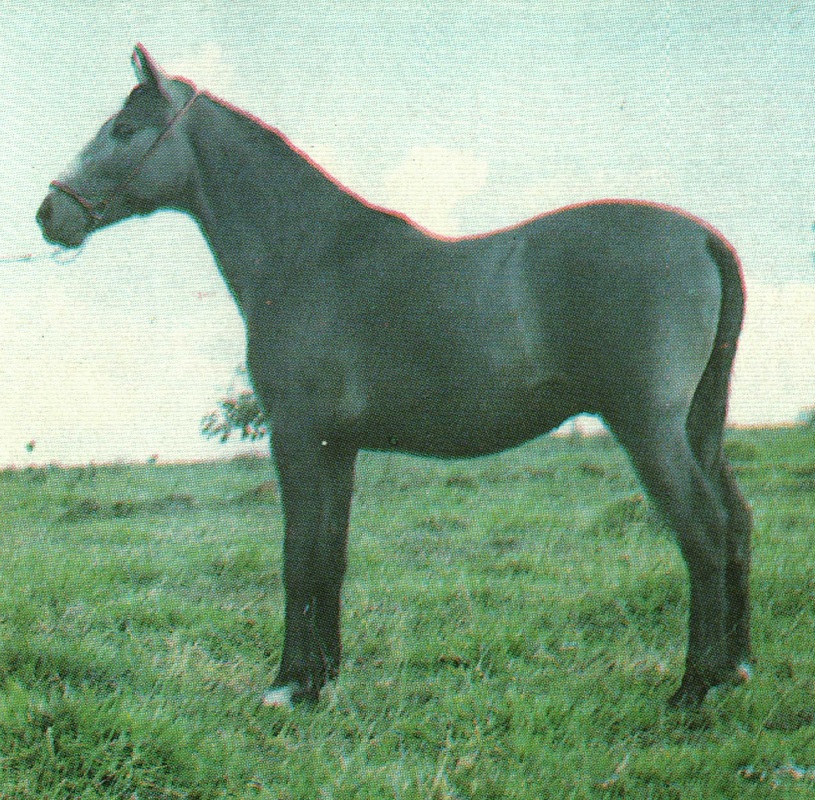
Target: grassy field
column 513, row 627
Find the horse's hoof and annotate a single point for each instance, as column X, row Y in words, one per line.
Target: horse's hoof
column 281, row 696
column 693, row 690
column 688, row 697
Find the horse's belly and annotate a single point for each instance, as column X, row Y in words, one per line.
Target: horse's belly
column 466, row 421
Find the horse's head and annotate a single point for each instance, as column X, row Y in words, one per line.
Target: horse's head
column 139, row 161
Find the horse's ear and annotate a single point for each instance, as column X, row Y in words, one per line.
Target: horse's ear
column 147, row 71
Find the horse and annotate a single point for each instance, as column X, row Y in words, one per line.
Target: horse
column 366, row 332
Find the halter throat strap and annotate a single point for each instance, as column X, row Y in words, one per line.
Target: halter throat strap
column 96, row 211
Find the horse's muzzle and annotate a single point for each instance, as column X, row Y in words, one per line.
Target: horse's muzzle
column 61, row 226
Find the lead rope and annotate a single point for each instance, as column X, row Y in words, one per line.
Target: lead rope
column 58, row 255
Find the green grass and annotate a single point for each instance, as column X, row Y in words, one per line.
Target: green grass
column 512, row 625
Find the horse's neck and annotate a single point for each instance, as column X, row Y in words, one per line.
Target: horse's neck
column 257, row 201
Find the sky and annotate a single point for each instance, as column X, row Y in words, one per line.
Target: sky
column 467, row 115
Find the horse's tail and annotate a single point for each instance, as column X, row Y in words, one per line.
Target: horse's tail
column 706, row 418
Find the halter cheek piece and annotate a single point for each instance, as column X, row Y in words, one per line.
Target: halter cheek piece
column 96, row 211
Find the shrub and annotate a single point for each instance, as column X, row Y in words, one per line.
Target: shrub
column 238, row 412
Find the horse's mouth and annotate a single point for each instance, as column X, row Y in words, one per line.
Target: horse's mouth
column 64, row 242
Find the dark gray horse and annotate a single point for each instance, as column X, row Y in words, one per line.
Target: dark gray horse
column 367, row 332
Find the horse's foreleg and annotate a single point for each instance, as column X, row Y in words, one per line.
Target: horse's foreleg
column 316, row 478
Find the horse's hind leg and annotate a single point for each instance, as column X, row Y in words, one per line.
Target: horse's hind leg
column 672, row 476
column 705, row 434
column 739, row 528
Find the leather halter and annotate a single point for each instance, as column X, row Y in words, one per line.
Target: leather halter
column 96, row 211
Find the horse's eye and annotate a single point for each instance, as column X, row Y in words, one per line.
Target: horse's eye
column 122, row 129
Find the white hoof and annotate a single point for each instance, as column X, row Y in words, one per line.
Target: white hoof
column 280, row 697
column 744, row 673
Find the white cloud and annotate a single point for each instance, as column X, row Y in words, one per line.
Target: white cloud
column 773, row 378
column 431, row 183
column 207, row 68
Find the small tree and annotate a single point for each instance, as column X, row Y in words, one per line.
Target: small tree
column 238, row 412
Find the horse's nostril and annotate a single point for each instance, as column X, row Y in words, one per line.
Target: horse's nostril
column 44, row 214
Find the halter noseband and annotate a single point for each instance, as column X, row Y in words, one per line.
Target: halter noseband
column 96, row 211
